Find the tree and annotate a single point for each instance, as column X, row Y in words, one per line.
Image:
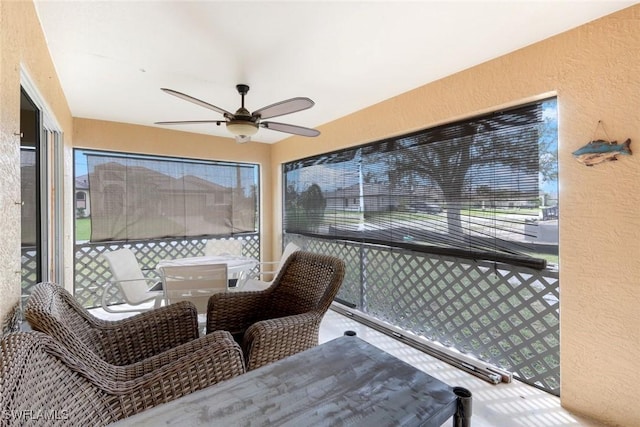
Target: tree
column 548, row 142
column 313, row 203
column 446, row 157
column 291, row 214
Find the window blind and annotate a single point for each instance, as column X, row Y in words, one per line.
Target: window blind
column 462, row 189
column 141, row 197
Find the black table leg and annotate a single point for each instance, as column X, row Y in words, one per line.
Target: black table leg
column 462, row 417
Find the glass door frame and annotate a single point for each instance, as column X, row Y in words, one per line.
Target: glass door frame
column 51, row 183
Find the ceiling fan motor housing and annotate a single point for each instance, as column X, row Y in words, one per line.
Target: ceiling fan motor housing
column 242, row 124
column 244, row 114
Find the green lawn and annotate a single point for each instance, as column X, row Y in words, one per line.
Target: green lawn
column 83, row 228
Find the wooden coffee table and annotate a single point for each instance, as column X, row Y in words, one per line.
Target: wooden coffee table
column 346, row 381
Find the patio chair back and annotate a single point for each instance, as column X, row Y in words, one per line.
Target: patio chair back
column 38, row 374
column 288, row 250
column 307, row 282
column 65, row 387
column 53, row 310
column 195, row 283
column 129, row 278
column 223, row 247
column 269, row 269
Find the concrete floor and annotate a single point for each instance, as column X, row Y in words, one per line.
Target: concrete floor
column 503, row 405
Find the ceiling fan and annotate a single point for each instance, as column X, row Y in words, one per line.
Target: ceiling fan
column 244, row 124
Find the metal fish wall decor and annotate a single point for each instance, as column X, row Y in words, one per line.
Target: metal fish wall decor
column 599, row 151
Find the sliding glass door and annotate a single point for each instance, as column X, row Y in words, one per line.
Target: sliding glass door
column 31, row 173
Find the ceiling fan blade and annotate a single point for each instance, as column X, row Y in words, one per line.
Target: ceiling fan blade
column 296, row 130
column 284, row 107
column 190, row 122
column 196, row 101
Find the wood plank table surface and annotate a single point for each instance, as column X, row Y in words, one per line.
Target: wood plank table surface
column 346, row 381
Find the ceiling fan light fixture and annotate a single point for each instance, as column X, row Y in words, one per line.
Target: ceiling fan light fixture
column 242, row 127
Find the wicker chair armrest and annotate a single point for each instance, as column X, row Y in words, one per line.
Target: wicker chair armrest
column 270, row 340
column 146, row 334
column 218, row 361
column 235, row 311
column 146, row 366
column 219, row 358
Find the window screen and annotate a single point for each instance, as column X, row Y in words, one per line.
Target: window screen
column 466, row 189
column 140, row 197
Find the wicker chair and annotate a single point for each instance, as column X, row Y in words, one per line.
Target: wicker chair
column 45, row 384
column 285, row 318
column 53, row 310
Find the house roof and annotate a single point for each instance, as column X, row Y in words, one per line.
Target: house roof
column 163, row 182
column 82, row 182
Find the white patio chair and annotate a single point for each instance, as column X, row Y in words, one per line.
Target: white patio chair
column 195, row 283
column 223, row 247
column 133, row 285
column 268, row 270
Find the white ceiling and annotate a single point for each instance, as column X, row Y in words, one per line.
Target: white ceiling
column 112, row 57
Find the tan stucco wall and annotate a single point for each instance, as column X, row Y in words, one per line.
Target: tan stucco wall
column 595, row 71
column 96, row 134
column 22, row 44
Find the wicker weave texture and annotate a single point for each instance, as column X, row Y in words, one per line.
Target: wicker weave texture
column 285, row 318
column 44, row 384
column 53, row 310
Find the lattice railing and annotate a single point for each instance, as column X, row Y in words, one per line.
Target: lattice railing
column 92, row 271
column 504, row 315
column 29, row 275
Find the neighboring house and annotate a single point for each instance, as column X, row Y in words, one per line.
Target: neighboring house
column 83, row 203
column 112, row 178
column 139, row 202
column 377, row 198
